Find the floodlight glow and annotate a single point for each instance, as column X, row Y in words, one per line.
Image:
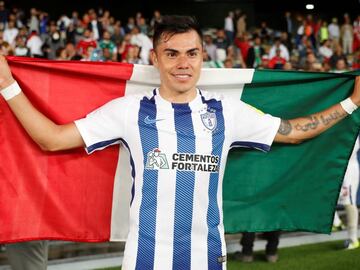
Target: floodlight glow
column 309, row 6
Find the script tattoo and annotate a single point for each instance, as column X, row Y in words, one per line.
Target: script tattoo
column 315, row 121
column 313, row 124
column 327, row 119
column 285, row 127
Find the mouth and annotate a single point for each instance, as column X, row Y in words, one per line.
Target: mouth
column 182, row 77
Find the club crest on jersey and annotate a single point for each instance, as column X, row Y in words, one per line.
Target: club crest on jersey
column 209, row 120
column 156, row 160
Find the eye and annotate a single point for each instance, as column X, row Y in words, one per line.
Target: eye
column 193, row 54
column 171, row 54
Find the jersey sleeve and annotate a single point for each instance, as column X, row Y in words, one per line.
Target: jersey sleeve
column 253, row 128
column 104, row 126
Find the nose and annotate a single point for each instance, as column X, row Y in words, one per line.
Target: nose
column 183, row 62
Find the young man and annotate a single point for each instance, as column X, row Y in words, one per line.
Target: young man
column 178, row 137
column 347, row 198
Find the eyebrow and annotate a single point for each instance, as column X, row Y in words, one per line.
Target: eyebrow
column 176, row 51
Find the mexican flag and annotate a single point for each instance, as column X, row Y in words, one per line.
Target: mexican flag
column 70, row 195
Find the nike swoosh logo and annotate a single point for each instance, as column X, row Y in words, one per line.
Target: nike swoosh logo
column 150, row 121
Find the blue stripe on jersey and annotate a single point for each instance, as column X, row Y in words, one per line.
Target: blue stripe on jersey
column 213, row 214
column 259, row 146
column 147, row 217
column 102, row 144
column 184, row 191
column 132, row 169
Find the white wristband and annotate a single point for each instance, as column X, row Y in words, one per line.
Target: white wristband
column 11, row 91
column 348, row 105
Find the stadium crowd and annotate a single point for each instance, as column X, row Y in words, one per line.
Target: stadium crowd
column 304, row 42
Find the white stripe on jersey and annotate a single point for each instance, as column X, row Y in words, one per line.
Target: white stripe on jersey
column 199, row 230
column 166, row 189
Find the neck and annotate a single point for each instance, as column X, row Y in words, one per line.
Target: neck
column 178, row 97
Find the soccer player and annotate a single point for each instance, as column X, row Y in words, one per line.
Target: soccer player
column 347, row 198
column 176, row 210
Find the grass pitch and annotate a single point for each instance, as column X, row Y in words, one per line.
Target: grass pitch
column 323, row 256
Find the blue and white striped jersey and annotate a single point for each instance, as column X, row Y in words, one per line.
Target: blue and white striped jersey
column 178, row 155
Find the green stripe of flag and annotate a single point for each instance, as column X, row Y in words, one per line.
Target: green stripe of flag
column 293, row 187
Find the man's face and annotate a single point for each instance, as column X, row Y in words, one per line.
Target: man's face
column 179, row 61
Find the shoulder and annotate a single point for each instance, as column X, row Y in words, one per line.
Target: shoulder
column 212, row 95
column 128, row 101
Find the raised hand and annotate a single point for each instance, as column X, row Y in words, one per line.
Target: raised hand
column 6, row 77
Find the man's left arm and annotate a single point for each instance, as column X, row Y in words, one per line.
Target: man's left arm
column 303, row 128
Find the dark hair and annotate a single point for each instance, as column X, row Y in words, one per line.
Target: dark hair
column 175, row 24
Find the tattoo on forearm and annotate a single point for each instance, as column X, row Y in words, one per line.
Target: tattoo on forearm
column 331, row 117
column 321, row 119
column 313, row 124
column 285, row 127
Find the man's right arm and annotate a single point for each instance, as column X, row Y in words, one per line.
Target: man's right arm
column 48, row 135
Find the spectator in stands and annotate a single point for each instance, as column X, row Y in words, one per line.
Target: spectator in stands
column 356, row 30
column 284, row 52
column 229, row 27
column 86, row 42
column 220, row 40
column 288, row 25
column 4, row 14
column 265, row 32
column 241, row 25
column 338, row 54
column 133, row 55
column 255, row 53
column 228, row 63
column 71, row 51
column 356, row 60
column 20, row 48
column 34, row 21
column 284, row 39
column 347, row 35
column 235, row 56
column 288, row 66
column 340, row 66
column 334, row 31
column 143, row 42
column 124, row 47
column 243, row 44
column 53, row 41
column 157, row 18
column 34, row 43
column 130, row 25
column 43, row 24
column 323, row 32
column 119, row 33
column 94, row 25
column 312, row 63
column 106, row 43
column 144, row 28
column 325, row 50
column 210, row 63
column 209, row 46
column 61, row 54
column 10, row 33
column 304, row 48
column 277, row 61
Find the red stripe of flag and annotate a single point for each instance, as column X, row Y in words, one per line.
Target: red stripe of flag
column 62, row 195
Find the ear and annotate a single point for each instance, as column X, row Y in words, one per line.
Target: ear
column 154, row 58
